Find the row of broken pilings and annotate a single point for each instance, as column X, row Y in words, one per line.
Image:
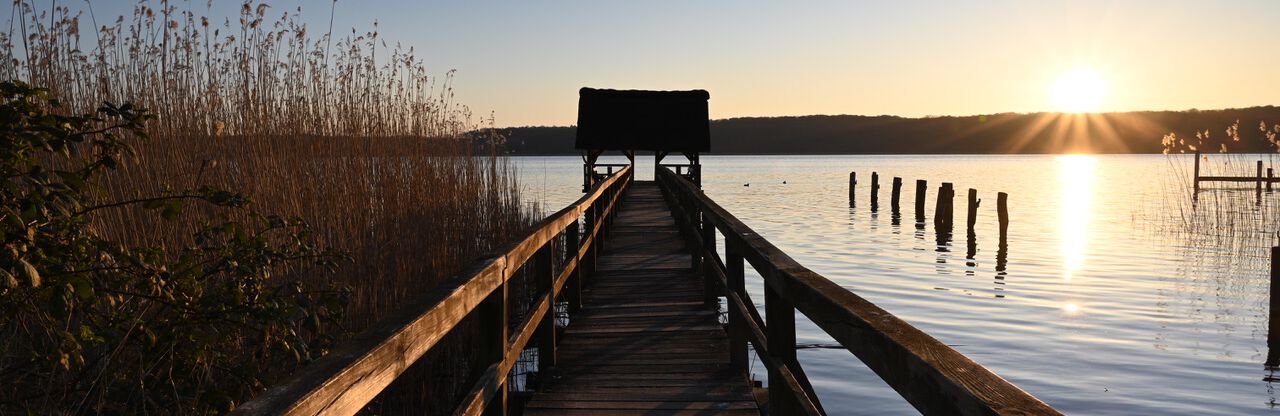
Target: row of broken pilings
column 944, row 215
column 944, row 210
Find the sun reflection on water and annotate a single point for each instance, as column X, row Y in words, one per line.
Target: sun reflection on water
column 1070, row 308
column 1076, row 172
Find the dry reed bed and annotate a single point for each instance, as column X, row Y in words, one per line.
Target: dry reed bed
column 354, row 136
column 1225, row 231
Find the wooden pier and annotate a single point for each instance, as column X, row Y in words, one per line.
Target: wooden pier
column 643, row 281
column 619, row 297
column 645, row 340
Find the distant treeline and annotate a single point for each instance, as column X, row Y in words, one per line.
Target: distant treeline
column 1127, row 132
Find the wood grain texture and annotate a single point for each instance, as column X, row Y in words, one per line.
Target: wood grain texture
column 644, row 343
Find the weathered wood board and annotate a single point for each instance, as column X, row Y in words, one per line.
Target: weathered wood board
column 644, row 343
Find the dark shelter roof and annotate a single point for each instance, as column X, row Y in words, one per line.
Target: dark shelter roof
column 673, row 121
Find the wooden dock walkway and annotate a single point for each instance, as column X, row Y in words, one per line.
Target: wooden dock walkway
column 638, row 270
column 644, row 342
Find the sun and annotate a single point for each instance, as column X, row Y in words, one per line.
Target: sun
column 1079, row 91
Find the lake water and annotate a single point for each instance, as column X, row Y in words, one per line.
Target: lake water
column 1118, row 296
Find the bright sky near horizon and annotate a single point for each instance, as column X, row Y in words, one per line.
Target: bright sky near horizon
column 524, row 61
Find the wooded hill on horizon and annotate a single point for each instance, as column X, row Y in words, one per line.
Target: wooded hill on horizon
column 1004, row 133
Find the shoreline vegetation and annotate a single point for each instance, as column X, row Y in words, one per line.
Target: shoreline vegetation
column 351, row 146
column 1007, row 133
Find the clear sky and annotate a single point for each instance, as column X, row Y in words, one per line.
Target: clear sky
column 524, row 61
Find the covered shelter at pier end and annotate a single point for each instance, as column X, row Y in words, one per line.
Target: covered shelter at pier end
column 630, row 120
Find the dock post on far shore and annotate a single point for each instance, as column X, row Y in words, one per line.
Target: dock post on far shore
column 1259, row 182
column 1195, row 181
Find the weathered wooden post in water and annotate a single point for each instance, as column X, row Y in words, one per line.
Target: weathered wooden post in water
column 943, row 210
column 853, row 186
column 973, row 208
column 875, row 191
column 1273, row 320
column 921, row 187
column 894, row 194
column 1002, row 211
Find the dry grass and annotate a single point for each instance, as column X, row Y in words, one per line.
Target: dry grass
column 353, row 135
column 1227, row 224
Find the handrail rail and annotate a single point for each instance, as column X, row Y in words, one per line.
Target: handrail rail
column 930, row 375
column 344, row 381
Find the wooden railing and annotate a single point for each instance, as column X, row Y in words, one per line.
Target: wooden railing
column 346, row 380
column 689, row 171
column 933, row 377
column 591, row 174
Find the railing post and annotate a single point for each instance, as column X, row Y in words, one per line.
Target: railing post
column 545, row 277
column 493, row 342
column 573, row 288
column 696, row 222
column 588, row 260
column 736, row 283
column 780, row 322
column 709, row 287
column 601, row 216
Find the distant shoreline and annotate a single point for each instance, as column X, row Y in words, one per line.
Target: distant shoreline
column 1137, row 132
column 714, row 154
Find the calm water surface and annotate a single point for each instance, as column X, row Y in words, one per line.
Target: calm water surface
column 1116, row 298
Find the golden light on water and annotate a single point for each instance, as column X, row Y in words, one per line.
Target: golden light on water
column 1076, row 173
column 1071, row 308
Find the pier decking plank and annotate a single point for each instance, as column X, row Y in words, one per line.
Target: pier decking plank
column 644, row 343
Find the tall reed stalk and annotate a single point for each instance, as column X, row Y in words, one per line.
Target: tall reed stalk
column 353, row 135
